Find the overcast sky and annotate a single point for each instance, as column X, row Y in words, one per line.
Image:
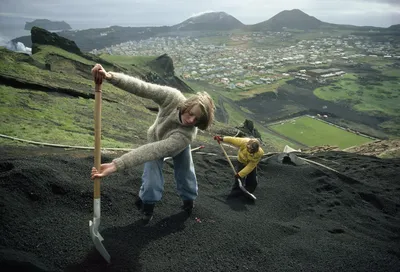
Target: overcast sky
column 102, row 13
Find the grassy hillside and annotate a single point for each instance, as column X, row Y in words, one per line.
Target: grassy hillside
column 45, row 111
column 137, row 64
column 49, row 97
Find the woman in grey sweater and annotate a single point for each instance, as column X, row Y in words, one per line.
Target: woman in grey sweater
column 170, row 135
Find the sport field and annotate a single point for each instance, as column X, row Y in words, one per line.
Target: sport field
column 312, row 132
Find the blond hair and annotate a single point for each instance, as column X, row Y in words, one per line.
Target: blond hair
column 253, row 145
column 206, row 103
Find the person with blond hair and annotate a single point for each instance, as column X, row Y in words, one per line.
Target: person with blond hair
column 249, row 155
column 171, row 134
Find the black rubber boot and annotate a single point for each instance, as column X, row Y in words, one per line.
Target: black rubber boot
column 188, row 206
column 235, row 191
column 139, row 204
column 148, row 212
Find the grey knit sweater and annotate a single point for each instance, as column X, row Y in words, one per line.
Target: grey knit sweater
column 167, row 136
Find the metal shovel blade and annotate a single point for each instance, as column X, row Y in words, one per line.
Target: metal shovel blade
column 245, row 191
column 97, row 238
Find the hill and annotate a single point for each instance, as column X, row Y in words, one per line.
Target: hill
column 60, row 89
column 289, row 19
column 48, row 25
column 212, row 21
column 61, row 67
column 395, row 27
column 305, row 217
column 204, row 25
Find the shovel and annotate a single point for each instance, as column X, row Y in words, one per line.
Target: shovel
column 234, row 171
column 94, row 225
column 193, row 149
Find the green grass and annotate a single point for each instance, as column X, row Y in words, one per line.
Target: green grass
column 312, row 132
column 128, row 60
column 380, row 99
column 46, row 50
column 236, row 118
column 43, row 117
column 27, row 69
column 392, row 72
column 374, row 61
column 236, row 94
column 262, row 88
column 60, row 119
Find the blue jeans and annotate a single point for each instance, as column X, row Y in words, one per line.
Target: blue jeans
column 185, row 178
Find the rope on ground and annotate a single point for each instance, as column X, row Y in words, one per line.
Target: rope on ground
column 116, row 148
column 62, row 146
column 319, row 164
column 341, row 175
column 83, row 147
column 128, row 149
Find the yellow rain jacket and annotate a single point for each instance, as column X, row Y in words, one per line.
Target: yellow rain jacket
column 250, row 160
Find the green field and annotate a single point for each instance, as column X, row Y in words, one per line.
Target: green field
column 376, row 99
column 312, row 132
column 124, row 60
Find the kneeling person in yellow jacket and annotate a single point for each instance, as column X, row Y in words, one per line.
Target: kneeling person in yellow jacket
column 249, row 155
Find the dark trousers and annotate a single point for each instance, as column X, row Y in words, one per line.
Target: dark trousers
column 249, row 182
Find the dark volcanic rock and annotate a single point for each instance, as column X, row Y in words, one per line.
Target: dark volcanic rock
column 247, row 128
column 164, row 74
column 305, row 217
column 42, row 36
column 165, row 63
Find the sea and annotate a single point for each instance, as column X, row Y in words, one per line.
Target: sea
column 13, row 27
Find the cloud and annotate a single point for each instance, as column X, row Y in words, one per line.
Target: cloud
column 18, row 47
column 391, row 2
column 201, row 13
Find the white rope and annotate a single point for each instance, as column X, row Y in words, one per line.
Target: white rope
column 60, row 145
column 89, row 147
column 128, row 149
column 109, row 148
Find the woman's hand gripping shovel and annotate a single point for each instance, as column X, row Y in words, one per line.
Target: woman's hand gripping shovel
column 94, row 225
column 234, row 171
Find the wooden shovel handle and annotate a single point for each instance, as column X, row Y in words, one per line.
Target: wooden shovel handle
column 97, row 137
column 227, row 157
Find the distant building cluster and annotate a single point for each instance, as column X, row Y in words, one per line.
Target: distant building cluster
column 324, row 73
column 319, row 74
column 233, row 67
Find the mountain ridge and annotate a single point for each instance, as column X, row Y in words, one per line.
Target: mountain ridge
column 217, row 20
column 90, row 39
column 292, row 19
